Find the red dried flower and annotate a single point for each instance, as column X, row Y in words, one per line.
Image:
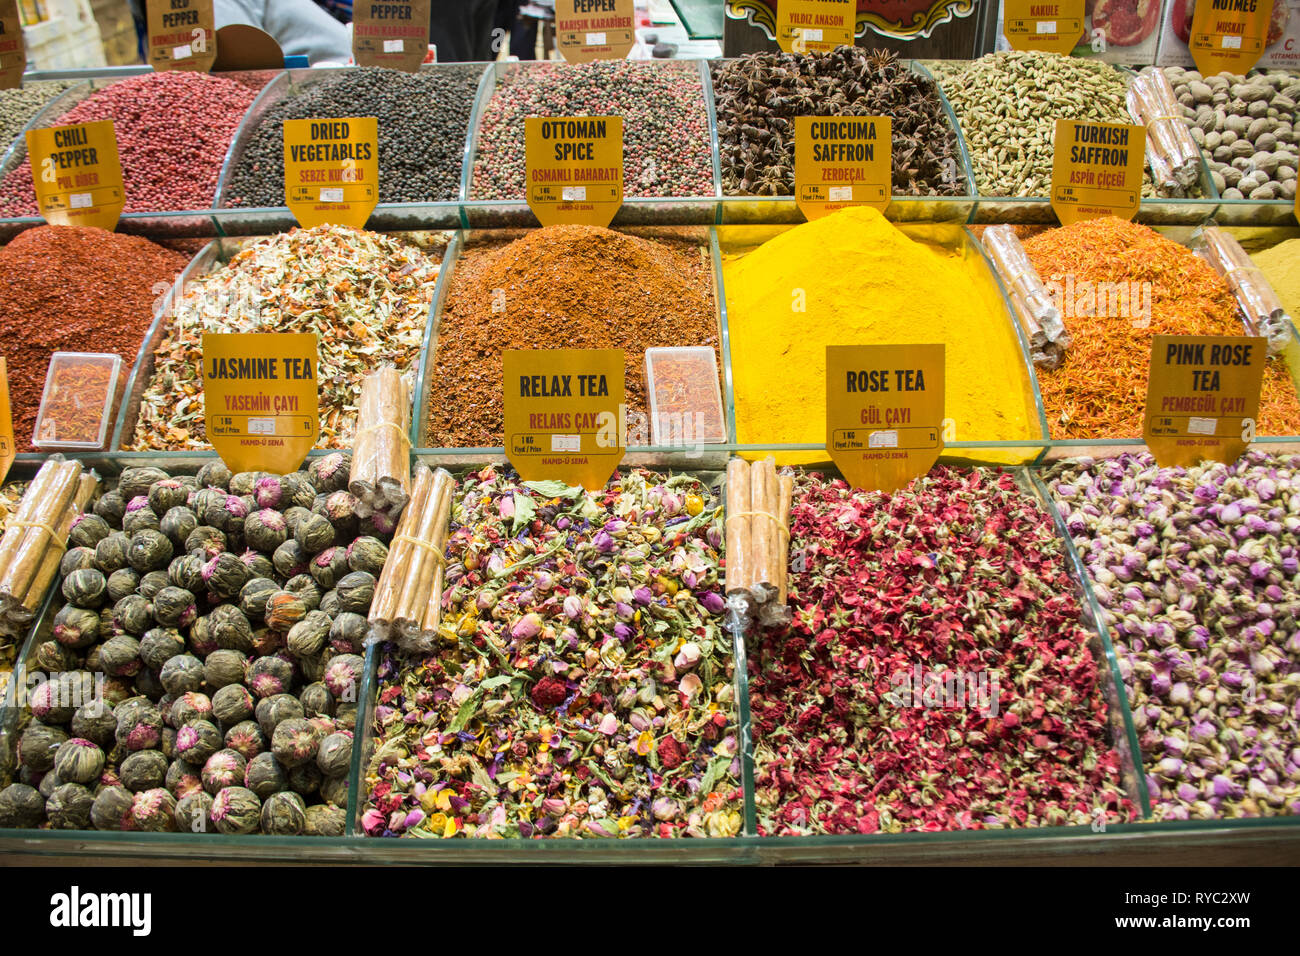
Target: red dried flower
column 549, row 692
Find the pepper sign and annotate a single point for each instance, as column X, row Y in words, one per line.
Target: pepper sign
column 13, row 48
column 587, row 30
column 77, row 174
column 182, row 35
column 392, row 34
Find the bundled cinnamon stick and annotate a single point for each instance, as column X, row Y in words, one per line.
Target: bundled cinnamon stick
column 408, row 599
column 758, row 536
column 1174, row 156
column 737, row 526
column 1038, row 316
column 381, row 472
column 783, row 514
column 1260, row 306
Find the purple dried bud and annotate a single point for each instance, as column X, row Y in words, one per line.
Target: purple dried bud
column 642, row 595
column 138, row 503
column 624, row 612
column 572, row 607
column 604, row 542
column 529, row 626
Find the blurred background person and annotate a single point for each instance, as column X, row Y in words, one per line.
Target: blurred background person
column 464, row 30
column 299, row 26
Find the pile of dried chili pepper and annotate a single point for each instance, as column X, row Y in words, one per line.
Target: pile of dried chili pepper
column 937, row 674
column 1117, row 284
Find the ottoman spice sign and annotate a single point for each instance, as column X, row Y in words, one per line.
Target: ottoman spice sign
column 13, row 52
column 574, row 169
column 182, row 35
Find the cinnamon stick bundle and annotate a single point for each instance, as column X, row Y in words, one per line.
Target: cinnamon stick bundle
column 783, row 514
column 381, row 475
column 763, row 493
column 87, row 488
column 737, row 526
column 758, row 531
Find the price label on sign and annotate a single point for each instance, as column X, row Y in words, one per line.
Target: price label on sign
column 815, row 26
column 842, row 161
column 1229, row 35
column 77, row 174
column 182, row 35
column 391, row 34
column 7, row 448
column 884, row 412
column 331, row 170
column 13, row 49
column 574, row 169
column 1097, row 170
column 1203, row 397
column 587, row 30
column 261, row 398
column 1052, row 27
column 565, row 416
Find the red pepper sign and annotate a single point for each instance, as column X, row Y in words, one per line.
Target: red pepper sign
column 13, row 52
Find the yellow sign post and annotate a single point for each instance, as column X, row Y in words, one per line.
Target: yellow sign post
column 8, row 450
column 587, row 30
column 1097, row 170
column 565, row 416
column 842, row 161
column 815, row 26
column 77, row 174
column 261, row 398
column 574, row 169
column 331, row 170
column 1047, row 27
column 884, row 412
column 1229, row 35
column 13, row 49
column 182, row 35
column 390, row 33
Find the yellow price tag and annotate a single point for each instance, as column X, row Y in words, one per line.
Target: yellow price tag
column 1097, row 170
column 331, row 170
column 7, row 448
column 1229, row 35
column 842, row 161
column 182, row 35
column 815, row 26
column 261, row 400
column 587, row 30
column 390, row 33
column 884, row 412
column 574, row 169
column 1052, row 27
column 13, row 49
column 565, row 416
column 77, row 174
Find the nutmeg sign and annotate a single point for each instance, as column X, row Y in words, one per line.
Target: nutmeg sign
column 182, row 35
column 1203, row 397
column 331, row 170
column 884, row 412
column 815, row 26
column 565, row 414
column 1228, row 35
column 77, row 174
column 587, row 30
column 1097, row 170
column 574, row 169
column 261, row 400
column 391, row 34
column 13, row 49
column 1048, row 27
column 842, row 161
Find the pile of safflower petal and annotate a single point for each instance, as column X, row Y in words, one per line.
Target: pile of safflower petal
column 584, row 686
column 1197, row 571
column 961, row 572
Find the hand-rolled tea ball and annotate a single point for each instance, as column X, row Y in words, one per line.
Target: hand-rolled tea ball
column 139, row 517
column 306, row 588
column 96, row 721
column 49, row 783
column 193, row 812
column 182, row 674
column 68, row 808
column 220, row 512
column 265, row 530
column 267, row 492
column 183, row 779
column 343, row 676
column 139, row 726
column 316, row 700
column 245, row 482
column 268, row 676
column 153, row 811
column 348, row 632
column 236, row 810
column 225, row 768
column 295, row 742
column 340, row 509
column 174, row 607
column 254, row 595
column 224, row 667
column 178, row 524
column 265, row 775
column 85, row 588
column 149, row 551
column 159, row 645
column 133, row 614
column 246, row 739
column 52, row 656
column 135, row 482
column 121, row 583
column 283, row 610
column 152, row 583
column 206, row 541
column 331, row 472
column 167, row 741
column 88, row 530
column 305, row 778
column 258, row 564
column 120, row 656
column 284, row 814
column 314, row 534
column 147, row 683
column 202, row 641
column 313, row 668
column 75, row 626
column 232, row 704
column 307, row 637
column 230, row 628
column 143, row 770
column 198, row 741
column 167, row 493
column 377, row 524
column 324, row 820
column 273, row 711
column 328, row 567
column 214, row 474
column 329, row 604
column 267, row 642
column 21, row 807
column 111, row 506
column 186, row 571
column 79, row 761
column 356, row 591
column 75, row 559
column 110, row 552
column 290, row 559
column 292, row 518
column 335, row 754
column 114, row 691
column 297, row 491
column 367, row 554
column 190, row 707
column 112, row 804
column 335, row 790
column 224, row 575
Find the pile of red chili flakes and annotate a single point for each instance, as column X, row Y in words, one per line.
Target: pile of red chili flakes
column 937, row 675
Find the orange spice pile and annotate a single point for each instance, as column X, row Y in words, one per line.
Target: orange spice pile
column 1100, row 390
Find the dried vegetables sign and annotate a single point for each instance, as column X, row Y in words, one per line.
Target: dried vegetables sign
column 331, row 170
column 182, row 35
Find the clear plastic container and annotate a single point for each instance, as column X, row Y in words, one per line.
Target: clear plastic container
column 685, row 400
column 77, row 400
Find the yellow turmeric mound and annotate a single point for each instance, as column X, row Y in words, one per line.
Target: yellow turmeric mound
column 852, row 278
